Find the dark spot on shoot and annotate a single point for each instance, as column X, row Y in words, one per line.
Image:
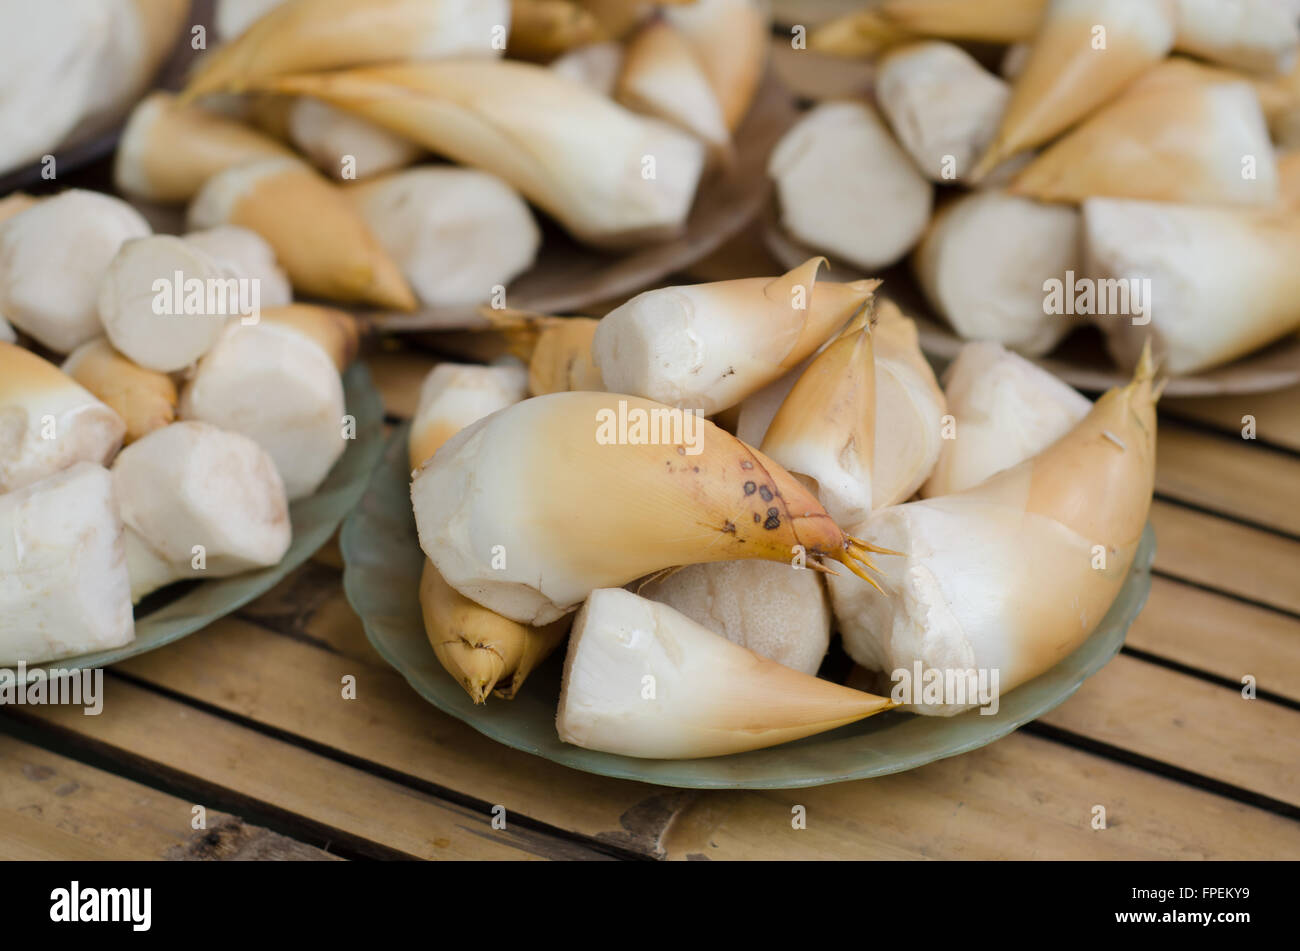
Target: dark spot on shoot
column 750, row 488
column 766, row 493
column 773, row 519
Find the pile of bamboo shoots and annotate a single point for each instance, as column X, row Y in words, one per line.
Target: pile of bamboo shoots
column 392, row 151
column 701, row 488
column 155, row 422
column 1048, row 165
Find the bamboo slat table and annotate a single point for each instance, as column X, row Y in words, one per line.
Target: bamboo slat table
column 247, row 719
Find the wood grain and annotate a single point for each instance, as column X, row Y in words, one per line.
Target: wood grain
column 1186, row 722
column 1221, row 554
column 55, row 807
column 214, row 756
column 1220, row 636
column 1023, row 797
column 293, row 686
column 1276, row 414
column 1240, row 477
column 413, row 736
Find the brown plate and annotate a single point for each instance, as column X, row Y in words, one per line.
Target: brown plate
column 1080, row 359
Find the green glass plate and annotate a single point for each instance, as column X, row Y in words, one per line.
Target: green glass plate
column 383, row 562
column 186, row 607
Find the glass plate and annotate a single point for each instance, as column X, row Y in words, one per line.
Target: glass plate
column 382, row 575
column 186, row 607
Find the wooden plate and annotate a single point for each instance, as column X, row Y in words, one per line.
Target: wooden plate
column 1080, row 359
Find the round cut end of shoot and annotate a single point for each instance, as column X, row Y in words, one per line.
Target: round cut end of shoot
column 983, row 262
column 206, row 502
column 1005, row 409
column 53, row 258
column 943, row 106
column 279, row 388
column 846, row 187
column 457, row 233
column 246, row 254
column 164, row 301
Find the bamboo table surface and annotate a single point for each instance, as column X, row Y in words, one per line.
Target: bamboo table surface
column 247, row 719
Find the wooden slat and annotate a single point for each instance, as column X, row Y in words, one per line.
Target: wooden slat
column 294, row 687
column 1221, row 636
column 55, row 807
column 1277, row 414
column 23, row 841
column 1235, row 477
column 1023, row 797
column 310, row 604
column 400, row 730
column 1191, row 724
column 208, row 752
column 1227, row 556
